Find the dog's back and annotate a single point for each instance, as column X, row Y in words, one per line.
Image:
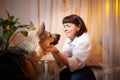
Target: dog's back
column 20, row 62
column 10, row 67
column 17, row 64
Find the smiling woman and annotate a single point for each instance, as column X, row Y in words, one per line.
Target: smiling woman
column 70, row 30
column 80, row 55
column 73, row 25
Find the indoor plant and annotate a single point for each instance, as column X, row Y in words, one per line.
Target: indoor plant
column 8, row 27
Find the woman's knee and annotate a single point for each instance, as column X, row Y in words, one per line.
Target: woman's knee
column 77, row 77
column 65, row 74
column 83, row 74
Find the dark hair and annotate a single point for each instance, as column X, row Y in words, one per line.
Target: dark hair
column 75, row 19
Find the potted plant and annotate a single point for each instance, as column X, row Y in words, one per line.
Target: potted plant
column 8, row 27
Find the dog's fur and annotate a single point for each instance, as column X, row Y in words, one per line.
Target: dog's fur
column 20, row 62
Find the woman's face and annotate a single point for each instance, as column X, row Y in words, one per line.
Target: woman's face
column 70, row 30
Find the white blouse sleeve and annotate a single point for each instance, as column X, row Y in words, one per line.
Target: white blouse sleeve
column 80, row 54
column 66, row 50
column 77, row 51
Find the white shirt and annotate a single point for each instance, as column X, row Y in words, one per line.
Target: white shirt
column 82, row 51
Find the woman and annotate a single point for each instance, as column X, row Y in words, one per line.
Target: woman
column 80, row 54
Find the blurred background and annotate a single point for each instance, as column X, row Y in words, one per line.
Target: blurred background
column 102, row 18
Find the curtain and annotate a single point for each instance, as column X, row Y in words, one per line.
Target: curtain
column 53, row 11
column 111, row 38
column 102, row 18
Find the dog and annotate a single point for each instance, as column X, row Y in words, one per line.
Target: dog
column 20, row 62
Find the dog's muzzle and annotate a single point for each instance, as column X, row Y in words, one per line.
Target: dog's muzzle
column 57, row 38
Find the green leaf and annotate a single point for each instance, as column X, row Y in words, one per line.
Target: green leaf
column 5, row 24
column 10, row 25
column 12, row 22
column 10, row 18
column 25, row 33
column 23, row 26
column 8, row 34
column 1, row 21
column 13, row 28
column 16, row 19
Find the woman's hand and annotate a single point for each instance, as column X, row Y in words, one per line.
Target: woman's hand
column 57, row 55
column 51, row 49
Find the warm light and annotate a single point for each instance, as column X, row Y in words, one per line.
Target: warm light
column 107, row 6
column 107, row 15
column 116, row 7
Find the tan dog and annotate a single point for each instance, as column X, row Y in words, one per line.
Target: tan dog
column 20, row 62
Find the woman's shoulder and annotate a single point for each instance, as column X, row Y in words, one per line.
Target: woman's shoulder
column 85, row 37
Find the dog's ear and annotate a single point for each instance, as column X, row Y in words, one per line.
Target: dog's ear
column 41, row 29
column 32, row 27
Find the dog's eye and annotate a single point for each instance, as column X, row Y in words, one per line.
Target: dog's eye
column 50, row 34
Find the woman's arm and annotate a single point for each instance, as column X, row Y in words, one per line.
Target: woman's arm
column 59, row 57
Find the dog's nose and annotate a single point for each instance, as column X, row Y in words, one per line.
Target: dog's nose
column 58, row 36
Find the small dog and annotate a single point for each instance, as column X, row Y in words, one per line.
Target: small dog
column 19, row 63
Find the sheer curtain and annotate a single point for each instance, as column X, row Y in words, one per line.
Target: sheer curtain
column 53, row 11
column 111, row 38
column 102, row 18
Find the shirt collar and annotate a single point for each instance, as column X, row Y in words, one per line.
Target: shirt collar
column 76, row 39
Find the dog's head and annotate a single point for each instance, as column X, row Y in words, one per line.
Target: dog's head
column 42, row 38
column 47, row 39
